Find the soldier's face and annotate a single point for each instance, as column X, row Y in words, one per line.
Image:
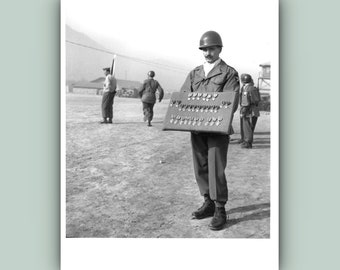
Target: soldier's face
column 211, row 54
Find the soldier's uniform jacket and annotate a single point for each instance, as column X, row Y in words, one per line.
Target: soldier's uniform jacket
column 110, row 84
column 209, row 149
column 221, row 78
column 148, row 91
column 249, row 100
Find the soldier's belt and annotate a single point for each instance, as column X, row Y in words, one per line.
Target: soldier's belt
column 200, row 112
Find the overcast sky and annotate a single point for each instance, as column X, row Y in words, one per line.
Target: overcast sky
column 171, row 29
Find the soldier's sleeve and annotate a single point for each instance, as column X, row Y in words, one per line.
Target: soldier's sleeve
column 161, row 91
column 141, row 89
column 106, row 84
column 233, row 84
column 113, row 84
column 253, row 95
column 186, row 87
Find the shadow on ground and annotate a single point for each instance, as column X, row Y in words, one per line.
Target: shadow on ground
column 263, row 212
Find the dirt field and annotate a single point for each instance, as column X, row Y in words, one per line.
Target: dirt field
column 117, row 186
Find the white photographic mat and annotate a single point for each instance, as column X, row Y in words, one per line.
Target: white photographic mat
column 128, row 190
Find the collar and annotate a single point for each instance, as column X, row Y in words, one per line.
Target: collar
column 209, row 66
column 213, row 64
column 212, row 69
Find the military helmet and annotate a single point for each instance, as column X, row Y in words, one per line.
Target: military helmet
column 210, row 38
column 151, row 73
column 245, row 78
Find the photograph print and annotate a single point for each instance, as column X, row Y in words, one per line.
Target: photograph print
column 169, row 121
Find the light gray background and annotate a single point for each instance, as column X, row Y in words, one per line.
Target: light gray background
column 309, row 125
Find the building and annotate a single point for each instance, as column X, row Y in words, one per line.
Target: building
column 263, row 84
column 263, row 81
column 125, row 88
column 83, row 87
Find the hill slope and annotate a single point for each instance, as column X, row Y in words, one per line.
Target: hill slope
column 85, row 64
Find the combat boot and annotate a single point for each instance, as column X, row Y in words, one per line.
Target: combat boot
column 219, row 220
column 104, row 121
column 247, row 145
column 206, row 210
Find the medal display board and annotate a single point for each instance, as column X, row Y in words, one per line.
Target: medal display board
column 200, row 112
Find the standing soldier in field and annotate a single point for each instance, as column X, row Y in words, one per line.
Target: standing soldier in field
column 147, row 93
column 109, row 92
column 255, row 107
column 209, row 149
column 249, row 99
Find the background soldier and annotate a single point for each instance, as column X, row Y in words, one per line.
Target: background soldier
column 147, row 93
column 210, row 150
column 109, row 92
column 249, row 99
column 255, row 110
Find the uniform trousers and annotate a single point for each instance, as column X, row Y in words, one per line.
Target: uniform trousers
column 253, row 122
column 107, row 103
column 246, row 129
column 210, row 161
column 148, row 111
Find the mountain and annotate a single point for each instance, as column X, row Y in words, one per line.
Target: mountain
column 85, row 62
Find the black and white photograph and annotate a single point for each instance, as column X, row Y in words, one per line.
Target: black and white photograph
column 169, row 134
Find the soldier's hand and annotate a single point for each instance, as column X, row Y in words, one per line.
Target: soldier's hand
column 244, row 111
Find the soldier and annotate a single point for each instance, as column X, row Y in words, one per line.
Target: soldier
column 209, row 149
column 255, row 110
column 249, row 112
column 147, row 93
column 109, row 92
